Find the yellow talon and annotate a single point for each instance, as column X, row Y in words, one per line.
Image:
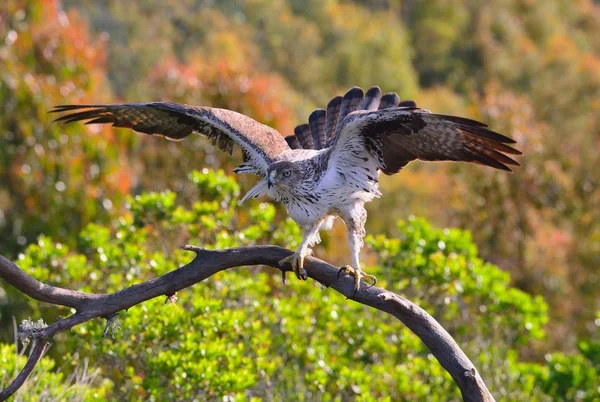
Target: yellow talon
column 358, row 274
column 296, row 260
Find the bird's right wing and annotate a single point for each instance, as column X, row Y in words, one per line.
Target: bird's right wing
column 261, row 144
column 376, row 128
column 399, row 135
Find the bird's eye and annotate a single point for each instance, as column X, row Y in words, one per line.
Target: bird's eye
column 287, row 173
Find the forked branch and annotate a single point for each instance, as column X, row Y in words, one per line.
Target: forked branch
column 209, row 262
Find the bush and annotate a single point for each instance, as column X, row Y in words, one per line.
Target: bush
column 243, row 334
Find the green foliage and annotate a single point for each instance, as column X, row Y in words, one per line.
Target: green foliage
column 530, row 69
column 244, row 334
column 46, row 384
column 571, row 377
column 471, row 292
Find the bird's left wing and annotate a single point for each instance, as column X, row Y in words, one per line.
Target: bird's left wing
column 398, row 135
column 261, row 144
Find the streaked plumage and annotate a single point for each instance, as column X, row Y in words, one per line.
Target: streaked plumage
column 328, row 167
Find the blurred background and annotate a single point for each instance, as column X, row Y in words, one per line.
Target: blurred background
column 530, row 69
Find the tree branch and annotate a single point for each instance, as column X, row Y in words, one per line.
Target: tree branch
column 209, row 262
column 37, row 351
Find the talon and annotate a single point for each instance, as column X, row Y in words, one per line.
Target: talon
column 358, row 274
column 296, row 260
column 283, row 278
column 371, row 277
column 346, row 269
column 342, row 269
column 301, row 274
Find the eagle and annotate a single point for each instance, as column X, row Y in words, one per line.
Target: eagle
column 330, row 166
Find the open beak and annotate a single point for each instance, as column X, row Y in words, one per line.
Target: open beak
column 270, row 182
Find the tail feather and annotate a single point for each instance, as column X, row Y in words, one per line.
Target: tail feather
column 390, row 99
column 324, row 125
column 371, row 100
column 302, row 133
column 293, row 142
column 350, row 102
column 333, row 111
column 316, row 122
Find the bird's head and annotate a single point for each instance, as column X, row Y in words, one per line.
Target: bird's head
column 284, row 175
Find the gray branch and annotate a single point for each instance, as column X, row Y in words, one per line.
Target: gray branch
column 38, row 348
column 209, row 262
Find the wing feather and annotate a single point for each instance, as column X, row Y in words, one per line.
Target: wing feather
column 260, row 143
column 397, row 135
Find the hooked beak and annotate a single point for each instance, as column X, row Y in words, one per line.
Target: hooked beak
column 270, row 182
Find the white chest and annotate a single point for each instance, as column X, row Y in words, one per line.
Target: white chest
column 305, row 212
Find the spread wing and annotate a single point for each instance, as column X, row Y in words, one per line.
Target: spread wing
column 395, row 133
column 260, row 144
column 399, row 135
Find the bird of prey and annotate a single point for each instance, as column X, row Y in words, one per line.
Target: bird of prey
column 330, row 167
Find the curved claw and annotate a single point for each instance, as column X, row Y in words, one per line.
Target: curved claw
column 358, row 274
column 371, row 277
column 296, row 260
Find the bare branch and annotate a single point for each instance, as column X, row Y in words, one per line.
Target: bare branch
column 209, row 262
column 37, row 351
column 35, row 289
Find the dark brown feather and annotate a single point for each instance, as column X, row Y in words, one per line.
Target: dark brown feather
column 293, row 142
column 389, row 100
column 394, row 155
column 350, row 102
column 495, row 145
column 338, row 108
column 397, row 136
column 408, row 104
column 316, row 122
column 484, row 156
column 371, row 100
column 302, row 133
column 484, row 132
column 333, row 112
column 175, row 122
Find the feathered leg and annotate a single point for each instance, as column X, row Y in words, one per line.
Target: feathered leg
column 355, row 219
column 296, row 260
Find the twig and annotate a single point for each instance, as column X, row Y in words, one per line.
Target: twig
column 37, row 351
column 209, row 262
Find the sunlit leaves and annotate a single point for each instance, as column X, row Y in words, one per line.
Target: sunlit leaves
column 46, row 383
column 244, row 333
